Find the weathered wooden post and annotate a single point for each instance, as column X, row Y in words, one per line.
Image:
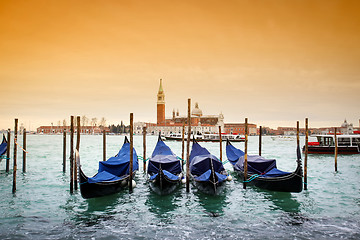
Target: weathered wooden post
column 131, row 152
column 306, row 152
column 144, row 148
column 260, row 140
column 8, row 151
column 245, row 157
column 297, row 133
column 78, row 131
column 336, row 149
column 24, row 150
column 188, row 148
column 104, row 145
column 71, row 154
column 15, row 153
column 220, row 139
column 64, row 150
column 183, row 145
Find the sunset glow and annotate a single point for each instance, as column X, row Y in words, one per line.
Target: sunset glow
column 272, row 61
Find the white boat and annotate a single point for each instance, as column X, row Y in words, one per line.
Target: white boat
column 207, row 137
column 347, row 144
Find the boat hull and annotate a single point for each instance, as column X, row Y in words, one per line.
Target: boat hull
column 208, row 187
column 93, row 190
column 162, row 185
column 331, row 149
column 289, row 183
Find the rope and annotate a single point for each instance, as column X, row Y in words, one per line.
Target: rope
column 225, row 162
column 184, row 161
column 252, row 177
column 20, row 146
column 4, row 157
column 142, row 159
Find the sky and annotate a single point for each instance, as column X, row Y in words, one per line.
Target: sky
column 274, row 62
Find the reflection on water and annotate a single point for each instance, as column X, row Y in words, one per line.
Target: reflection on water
column 214, row 206
column 288, row 204
column 163, row 206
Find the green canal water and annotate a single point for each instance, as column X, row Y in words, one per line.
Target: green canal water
column 43, row 207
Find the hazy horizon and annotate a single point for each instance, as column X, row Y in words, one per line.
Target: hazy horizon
column 273, row 61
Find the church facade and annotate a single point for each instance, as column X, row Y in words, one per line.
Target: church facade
column 199, row 123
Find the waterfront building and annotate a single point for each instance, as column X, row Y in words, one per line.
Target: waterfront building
column 60, row 129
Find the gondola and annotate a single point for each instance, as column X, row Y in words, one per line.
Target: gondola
column 113, row 174
column 164, row 169
column 207, row 173
column 3, row 147
column 263, row 172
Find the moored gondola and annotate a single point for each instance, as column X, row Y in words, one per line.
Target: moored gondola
column 263, row 172
column 206, row 171
column 3, row 147
column 164, row 169
column 113, row 174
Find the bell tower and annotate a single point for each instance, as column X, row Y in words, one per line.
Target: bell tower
column 160, row 105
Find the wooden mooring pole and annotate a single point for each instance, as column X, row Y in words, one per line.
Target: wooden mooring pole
column 144, row 148
column 245, row 157
column 260, row 135
column 183, row 145
column 24, row 150
column 64, row 150
column 306, row 152
column 8, row 151
column 131, row 152
column 104, row 145
column 71, row 154
column 220, row 139
column 297, row 133
column 15, row 153
column 78, row 131
column 188, row 148
column 336, row 149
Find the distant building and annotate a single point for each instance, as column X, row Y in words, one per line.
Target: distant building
column 60, row 129
column 239, row 128
column 200, row 123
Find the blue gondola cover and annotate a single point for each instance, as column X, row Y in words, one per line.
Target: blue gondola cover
column 164, row 157
column 3, row 146
column 103, row 177
column 256, row 164
column 116, row 167
column 200, row 162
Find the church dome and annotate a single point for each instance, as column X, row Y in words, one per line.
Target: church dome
column 196, row 111
column 345, row 124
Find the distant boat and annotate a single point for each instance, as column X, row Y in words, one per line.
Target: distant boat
column 3, row 147
column 207, row 137
column 113, row 174
column 263, row 172
column 347, row 144
column 283, row 138
column 164, row 169
column 206, row 171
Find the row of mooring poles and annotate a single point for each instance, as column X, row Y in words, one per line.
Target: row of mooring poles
column 72, row 162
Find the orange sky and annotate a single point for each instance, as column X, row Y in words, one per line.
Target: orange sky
column 273, row 61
